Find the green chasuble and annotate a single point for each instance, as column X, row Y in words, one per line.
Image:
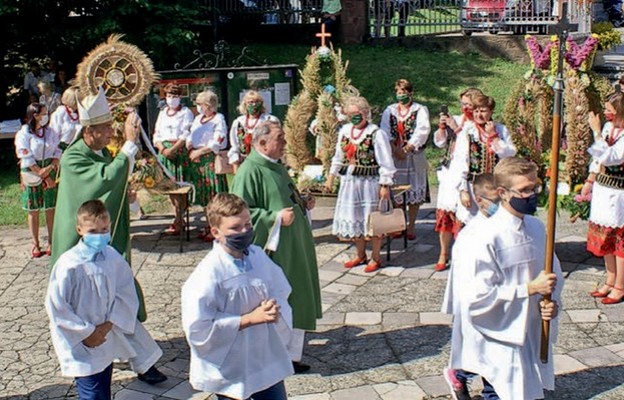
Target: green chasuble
column 267, row 189
column 88, row 176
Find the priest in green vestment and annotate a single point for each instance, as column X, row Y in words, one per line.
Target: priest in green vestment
column 276, row 207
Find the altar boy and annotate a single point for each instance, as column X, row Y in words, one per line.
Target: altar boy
column 235, row 312
column 498, row 312
column 92, row 305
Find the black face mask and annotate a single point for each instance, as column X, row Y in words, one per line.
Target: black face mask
column 240, row 242
column 524, row 205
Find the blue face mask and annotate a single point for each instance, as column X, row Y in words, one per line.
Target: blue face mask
column 491, row 209
column 96, row 242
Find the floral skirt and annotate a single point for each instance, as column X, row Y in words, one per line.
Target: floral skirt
column 603, row 241
column 35, row 198
column 207, row 183
column 446, row 221
column 179, row 165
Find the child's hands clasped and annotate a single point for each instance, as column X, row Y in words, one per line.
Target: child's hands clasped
column 267, row 312
column 98, row 336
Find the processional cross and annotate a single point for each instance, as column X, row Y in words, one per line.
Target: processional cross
column 562, row 29
column 323, row 35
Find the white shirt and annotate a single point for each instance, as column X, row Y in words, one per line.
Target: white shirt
column 173, row 127
column 84, row 292
column 225, row 360
column 212, row 134
column 383, row 153
column 31, row 148
column 421, row 128
column 66, row 125
column 234, row 154
column 607, row 203
column 497, row 325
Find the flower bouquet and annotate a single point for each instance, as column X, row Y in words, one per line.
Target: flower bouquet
column 577, row 205
column 149, row 175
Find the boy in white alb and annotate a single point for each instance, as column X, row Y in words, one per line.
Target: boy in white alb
column 235, row 312
column 92, row 305
column 498, row 312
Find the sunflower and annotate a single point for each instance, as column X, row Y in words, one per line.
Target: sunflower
column 149, row 182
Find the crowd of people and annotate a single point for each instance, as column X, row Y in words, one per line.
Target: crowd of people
column 255, row 294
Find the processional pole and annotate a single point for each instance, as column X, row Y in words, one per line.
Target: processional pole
column 554, row 170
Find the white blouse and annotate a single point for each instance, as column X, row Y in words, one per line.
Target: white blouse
column 31, row 148
column 381, row 144
column 211, row 134
column 607, row 205
column 173, row 127
column 422, row 127
column 66, row 124
column 234, row 154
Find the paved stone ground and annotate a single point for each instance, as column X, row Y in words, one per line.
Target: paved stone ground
column 382, row 336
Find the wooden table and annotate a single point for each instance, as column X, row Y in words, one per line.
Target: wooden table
column 396, row 191
column 181, row 194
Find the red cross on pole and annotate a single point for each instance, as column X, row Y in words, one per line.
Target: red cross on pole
column 323, row 35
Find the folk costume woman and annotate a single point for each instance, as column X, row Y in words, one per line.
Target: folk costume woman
column 208, row 137
column 363, row 159
column 36, row 146
column 407, row 124
column 65, row 121
column 447, row 225
column 252, row 113
column 479, row 148
column 605, row 237
column 173, row 126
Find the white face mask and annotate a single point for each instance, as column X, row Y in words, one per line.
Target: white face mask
column 173, row 102
column 44, row 120
column 199, row 110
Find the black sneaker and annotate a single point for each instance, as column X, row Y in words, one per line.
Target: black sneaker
column 459, row 390
column 300, row 367
column 152, row 376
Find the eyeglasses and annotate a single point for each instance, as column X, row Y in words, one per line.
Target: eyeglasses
column 527, row 192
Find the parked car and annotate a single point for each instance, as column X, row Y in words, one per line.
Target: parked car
column 481, row 16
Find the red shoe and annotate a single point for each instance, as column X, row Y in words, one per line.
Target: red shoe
column 173, row 230
column 611, row 300
column 48, row 251
column 372, row 266
column 598, row 293
column 439, row 267
column 36, row 252
column 411, row 236
column 355, row 262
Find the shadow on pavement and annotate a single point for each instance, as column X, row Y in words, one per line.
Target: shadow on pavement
column 588, row 383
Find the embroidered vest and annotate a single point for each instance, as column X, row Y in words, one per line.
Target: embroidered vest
column 361, row 155
column 481, row 160
column 244, row 139
column 401, row 131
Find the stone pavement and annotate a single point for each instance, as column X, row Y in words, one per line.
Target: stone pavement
column 382, row 336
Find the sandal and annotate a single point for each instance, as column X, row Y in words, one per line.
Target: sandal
column 442, row 266
column 372, row 266
column 48, row 250
column 355, row 262
column 600, row 294
column 36, row 252
column 611, row 300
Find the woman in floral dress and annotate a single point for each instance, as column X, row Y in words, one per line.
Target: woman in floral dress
column 36, row 146
column 208, row 137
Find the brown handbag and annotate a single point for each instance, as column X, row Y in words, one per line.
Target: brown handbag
column 222, row 166
column 384, row 222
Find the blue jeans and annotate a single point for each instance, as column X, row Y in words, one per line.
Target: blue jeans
column 275, row 392
column 95, row 387
column 488, row 391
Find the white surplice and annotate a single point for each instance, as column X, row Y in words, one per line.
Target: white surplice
column 86, row 291
column 497, row 325
column 225, row 360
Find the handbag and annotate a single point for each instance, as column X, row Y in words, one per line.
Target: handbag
column 30, row 178
column 222, row 166
column 384, row 222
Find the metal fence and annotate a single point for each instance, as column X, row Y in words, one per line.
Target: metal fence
column 388, row 18
column 268, row 11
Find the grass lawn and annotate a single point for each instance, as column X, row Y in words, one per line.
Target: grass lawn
column 438, row 79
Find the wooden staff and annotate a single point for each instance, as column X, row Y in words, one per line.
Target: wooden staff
column 554, row 177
